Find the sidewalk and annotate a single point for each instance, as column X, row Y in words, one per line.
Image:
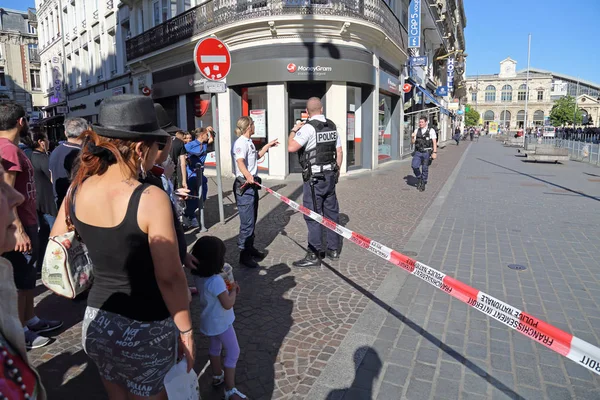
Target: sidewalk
column 289, row 321
column 415, row 342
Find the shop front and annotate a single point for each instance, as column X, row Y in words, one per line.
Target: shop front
column 86, row 103
column 421, row 102
column 272, row 84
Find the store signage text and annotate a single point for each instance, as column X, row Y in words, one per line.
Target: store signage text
column 306, row 3
column 305, row 70
column 419, row 61
column 450, row 71
column 414, row 24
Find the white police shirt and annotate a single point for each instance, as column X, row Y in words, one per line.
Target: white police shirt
column 243, row 148
column 307, row 138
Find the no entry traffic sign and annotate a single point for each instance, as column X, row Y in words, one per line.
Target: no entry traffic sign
column 212, row 58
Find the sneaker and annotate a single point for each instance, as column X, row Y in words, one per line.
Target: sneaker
column 45, row 325
column 35, row 341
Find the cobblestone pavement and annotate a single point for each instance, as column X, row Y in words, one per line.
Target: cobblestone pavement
column 289, row 321
column 416, row 342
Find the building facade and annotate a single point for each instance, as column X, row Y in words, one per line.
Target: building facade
column 353, row 55
column 20, row 60
column 501, row 97
column 82, row 53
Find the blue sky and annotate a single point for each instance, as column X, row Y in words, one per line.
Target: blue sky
column 564, row 35
column 21, row 5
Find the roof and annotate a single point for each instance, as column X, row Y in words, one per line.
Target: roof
column 10, row 10
column 563, row 76
column 520, row 75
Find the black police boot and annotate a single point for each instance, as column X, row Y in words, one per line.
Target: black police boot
column 247, row 260
column 259, row 255
column 333, row 255
column 419, row 184
column 422, row 187
column 310, row 260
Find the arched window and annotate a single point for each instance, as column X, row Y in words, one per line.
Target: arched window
column 538, row 116
column 490, row 94
column 506, row 95
column 505, row 116
column 521, row 115
column 522, row 94
column 488, row 115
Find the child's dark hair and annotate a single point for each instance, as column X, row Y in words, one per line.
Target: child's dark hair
column 210, row 252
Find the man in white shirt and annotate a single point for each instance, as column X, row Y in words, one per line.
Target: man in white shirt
column 319, row 149
column 425, row 141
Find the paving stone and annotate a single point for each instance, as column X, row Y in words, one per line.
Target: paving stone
column 387, row 391
column 418, row 390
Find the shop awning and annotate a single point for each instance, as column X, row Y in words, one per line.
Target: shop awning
column 432, row 99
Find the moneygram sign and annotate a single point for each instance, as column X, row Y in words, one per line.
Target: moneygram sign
column 317, row 70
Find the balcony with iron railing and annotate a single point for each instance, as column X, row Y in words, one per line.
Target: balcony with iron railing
column 213, row 14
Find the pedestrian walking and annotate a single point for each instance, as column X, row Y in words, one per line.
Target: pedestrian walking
column 216, row 312
column 245, row 190
column 457, row 135
column 19, row 173
column 425, row 141
column 138, row 307
column 12, row 343
column 320, row 154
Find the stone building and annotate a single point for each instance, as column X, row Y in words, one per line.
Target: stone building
column 501, row 97
column 20, row 61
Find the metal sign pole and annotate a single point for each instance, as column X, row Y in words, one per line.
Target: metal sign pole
column 213, row 106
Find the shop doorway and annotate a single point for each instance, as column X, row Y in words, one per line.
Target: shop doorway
column 298, row 94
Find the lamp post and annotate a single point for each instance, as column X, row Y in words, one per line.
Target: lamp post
column 527, row 84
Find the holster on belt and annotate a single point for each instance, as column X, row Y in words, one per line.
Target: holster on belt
column 430, row 151
column 241, row 185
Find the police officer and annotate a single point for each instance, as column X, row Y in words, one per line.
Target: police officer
column 319, row 150
column 246, row 192
column 425, row 141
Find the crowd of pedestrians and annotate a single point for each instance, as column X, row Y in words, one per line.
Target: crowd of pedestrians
column 128, row 184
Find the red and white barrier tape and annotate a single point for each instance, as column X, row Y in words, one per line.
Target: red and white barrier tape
column 563, row 343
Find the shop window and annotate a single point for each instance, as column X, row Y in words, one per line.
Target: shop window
column 384, row 148
column 353, row 129
column 254, row 105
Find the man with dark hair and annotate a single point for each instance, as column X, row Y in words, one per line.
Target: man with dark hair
column 197, row 150
column 425, row 141
column 63, row 157
column 178, row 155
column 19, row 173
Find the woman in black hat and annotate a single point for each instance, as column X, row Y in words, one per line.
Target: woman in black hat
column 138, row 307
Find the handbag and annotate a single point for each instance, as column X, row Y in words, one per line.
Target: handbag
column 67, row 269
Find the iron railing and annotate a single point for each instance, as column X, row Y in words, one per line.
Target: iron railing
column 585, row 149
column 215, row 13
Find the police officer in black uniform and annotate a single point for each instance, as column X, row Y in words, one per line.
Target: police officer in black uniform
column 319, row 150
column 425, row 141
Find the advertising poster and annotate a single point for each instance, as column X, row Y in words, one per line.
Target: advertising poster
column 260, row 123
column 493, row 128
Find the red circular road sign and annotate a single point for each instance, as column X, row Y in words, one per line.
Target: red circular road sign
column 212, row 58
column 146, row 91
column 407, row 87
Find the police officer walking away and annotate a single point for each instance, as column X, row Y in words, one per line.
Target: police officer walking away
column 425, row 141
column 319, row 150
column 246, row 192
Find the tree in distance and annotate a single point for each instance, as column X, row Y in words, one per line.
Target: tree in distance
column 563, row 112
column 471, row 116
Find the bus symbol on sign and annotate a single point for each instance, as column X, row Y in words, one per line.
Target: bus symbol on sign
column 212, row 59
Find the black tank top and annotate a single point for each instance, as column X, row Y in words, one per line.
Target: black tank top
column 124, row 280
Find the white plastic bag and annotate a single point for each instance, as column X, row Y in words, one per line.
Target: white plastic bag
column 180, row 384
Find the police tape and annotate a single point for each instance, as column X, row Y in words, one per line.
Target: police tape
column 563, row 343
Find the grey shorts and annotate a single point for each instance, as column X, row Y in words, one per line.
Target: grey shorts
column 134, row 354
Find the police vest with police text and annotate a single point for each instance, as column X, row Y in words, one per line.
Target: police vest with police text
column 423, row 141
column 325, row 151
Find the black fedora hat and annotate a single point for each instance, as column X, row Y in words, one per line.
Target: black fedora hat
column 129, row 117
column 164, row 121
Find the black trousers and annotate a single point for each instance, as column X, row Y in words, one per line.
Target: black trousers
column 327, row 205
